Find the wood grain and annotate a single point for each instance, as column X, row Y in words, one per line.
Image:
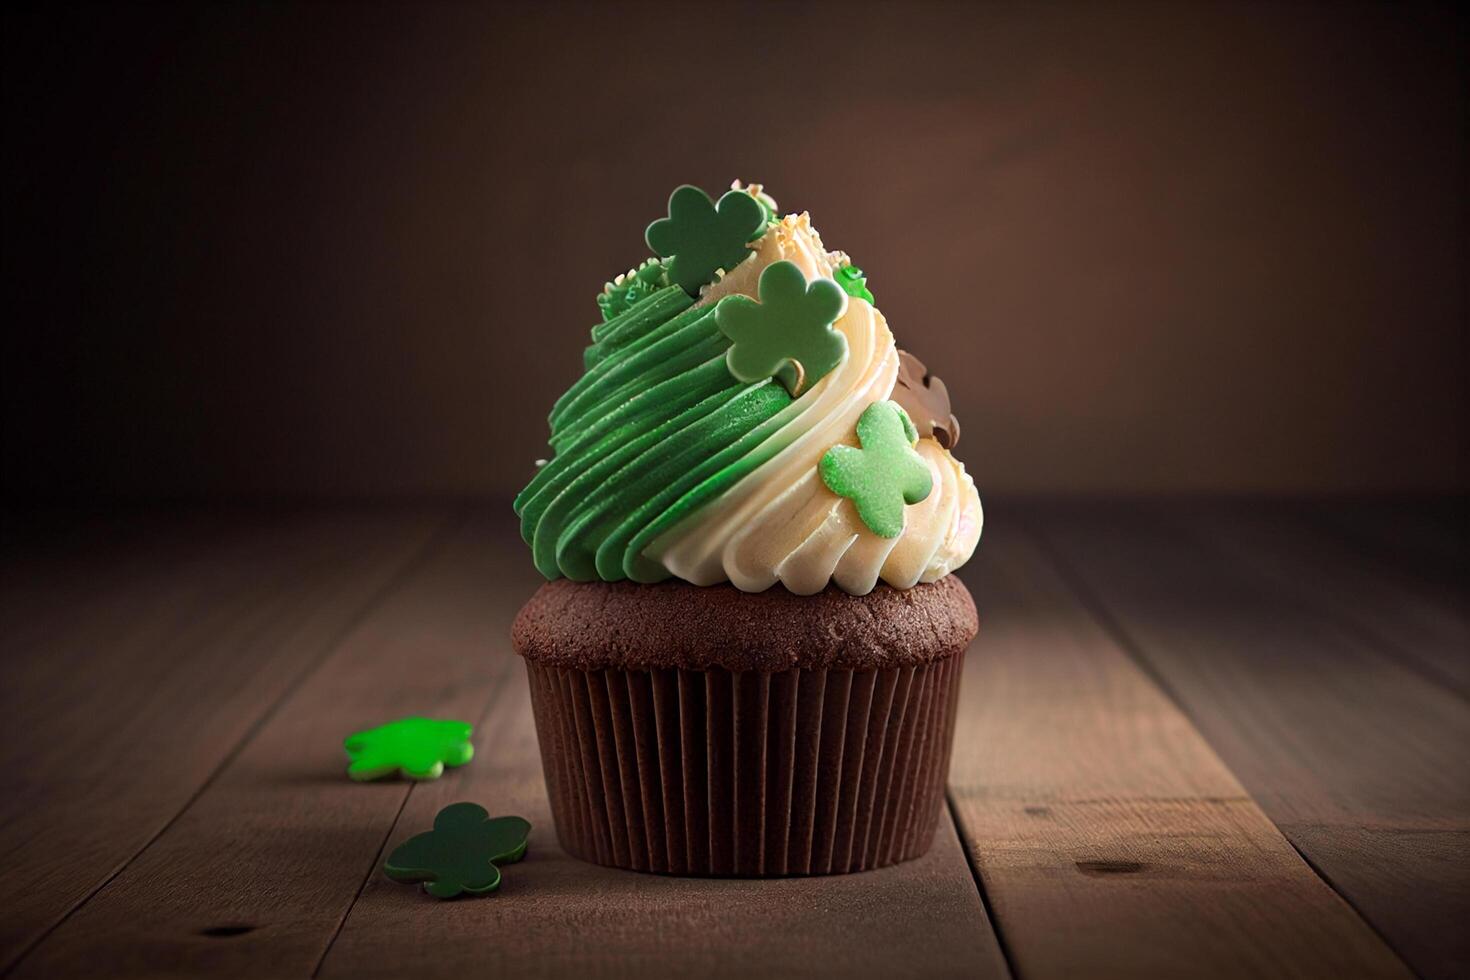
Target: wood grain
column 557, row 917
column 257, row 873
column 1427, row 540
column 139, row 650
column 1357, row 757
column 1112, row 842
column 1392, row 607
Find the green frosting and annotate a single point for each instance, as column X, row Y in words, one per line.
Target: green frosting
column 678, row 403
column 620, row 294
column 655, row 427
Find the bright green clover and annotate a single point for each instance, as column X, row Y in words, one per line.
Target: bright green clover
column 885, row 474
column 461, row 853
column 419, row 747
column 788, row 334
column 700, row 236
column 853, row 282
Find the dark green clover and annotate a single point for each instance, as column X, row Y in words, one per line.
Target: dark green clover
column 885, row 474
column 461, row 853
column 700, row 236
column 788, row 334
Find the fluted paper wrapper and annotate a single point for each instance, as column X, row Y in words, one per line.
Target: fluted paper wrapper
column 710, row 772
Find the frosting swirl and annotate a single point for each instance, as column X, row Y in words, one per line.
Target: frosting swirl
column 666, row 465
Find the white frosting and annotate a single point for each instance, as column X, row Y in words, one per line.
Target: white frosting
column 792, row 239
column 781, row 523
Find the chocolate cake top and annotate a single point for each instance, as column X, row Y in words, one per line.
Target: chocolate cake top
column 595, row 625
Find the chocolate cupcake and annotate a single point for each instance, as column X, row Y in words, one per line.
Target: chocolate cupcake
column 747, row 657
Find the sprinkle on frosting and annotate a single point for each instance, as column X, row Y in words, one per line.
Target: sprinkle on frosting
column 675, row 455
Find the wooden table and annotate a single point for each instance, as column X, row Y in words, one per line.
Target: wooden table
column 1213, row 740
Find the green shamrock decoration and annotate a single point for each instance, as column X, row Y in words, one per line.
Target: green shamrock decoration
column 853, row 282
column 788, row 334
column 461, row 853
column 419, row 747
column 700, row 236
column 885, row 474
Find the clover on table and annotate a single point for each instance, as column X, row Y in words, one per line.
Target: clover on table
column 885, row 474
column 461, row 853
column 700, row 236
column 418, row 747
column 788, row 334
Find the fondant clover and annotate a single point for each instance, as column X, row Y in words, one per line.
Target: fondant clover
column 788, row 334
column 700, row 236
column 419, row 747
column 926, row 399
column 461, row 853
column 885, row 474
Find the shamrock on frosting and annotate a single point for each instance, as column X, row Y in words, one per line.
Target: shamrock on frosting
column 461, row 853
column 788, row 334
column 419, row 747
column 926, row 399
column 700, row 236
column 885, row 474
column 853, row 281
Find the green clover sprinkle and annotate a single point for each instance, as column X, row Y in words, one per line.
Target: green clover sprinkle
column 788, row 334
column 419, row 747
column 853, row 282
column 700, row 236
column 461, row 853
column 885, row 474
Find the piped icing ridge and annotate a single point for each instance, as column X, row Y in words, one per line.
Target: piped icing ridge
column 754, row 428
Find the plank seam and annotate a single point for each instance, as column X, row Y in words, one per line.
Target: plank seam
column 985, row 903
column 430, row 544
column 495, row 698
column 372, row 866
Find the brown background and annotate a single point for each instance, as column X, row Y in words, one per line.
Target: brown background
column 353, row 250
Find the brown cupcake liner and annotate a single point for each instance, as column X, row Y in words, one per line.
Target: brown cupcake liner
column 713, row 772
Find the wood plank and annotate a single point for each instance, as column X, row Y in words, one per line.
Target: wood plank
column 1111, row 840
column 1359, row 759
column 1428, row 539
column 257, row 873
column 140, row 648
column 557, row 917
column 1395, row 610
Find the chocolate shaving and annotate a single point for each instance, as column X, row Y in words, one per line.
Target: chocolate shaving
column 925, row 398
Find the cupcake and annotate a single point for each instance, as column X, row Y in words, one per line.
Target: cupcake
column 746, row 658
